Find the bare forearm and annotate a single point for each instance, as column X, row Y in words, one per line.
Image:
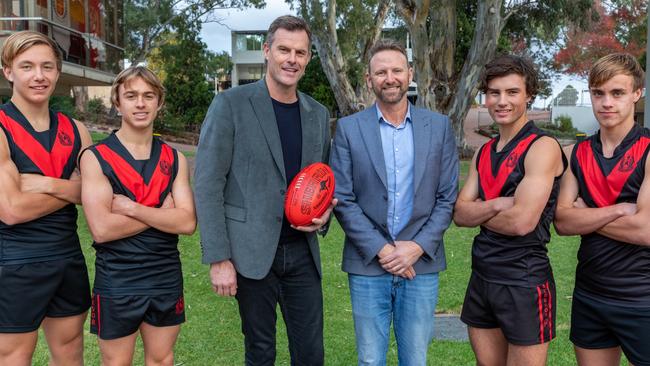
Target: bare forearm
column 170, row 220
column 631, row 229
column 64, row 189
column 113, row 227
column 582, row 221
column 472, row 214
column 516, row 221
column 24, row 207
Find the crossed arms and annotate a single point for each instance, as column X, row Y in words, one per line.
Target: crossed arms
column 27, row 197
column 518, row 215
column 113, row 216
column 626, row 222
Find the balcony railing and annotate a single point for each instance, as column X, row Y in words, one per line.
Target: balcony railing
column 76, row 47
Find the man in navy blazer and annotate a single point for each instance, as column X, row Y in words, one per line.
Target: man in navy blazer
column 396, row 169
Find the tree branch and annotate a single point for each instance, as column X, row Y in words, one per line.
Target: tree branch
column 373, row 37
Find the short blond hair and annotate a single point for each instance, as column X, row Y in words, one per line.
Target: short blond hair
column 20, row 42
column 615, row 64
column 133, row 72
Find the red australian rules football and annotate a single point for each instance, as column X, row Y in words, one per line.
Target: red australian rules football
column 309, row 194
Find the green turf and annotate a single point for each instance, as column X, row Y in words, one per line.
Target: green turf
column 98, row 136
column 212, row 335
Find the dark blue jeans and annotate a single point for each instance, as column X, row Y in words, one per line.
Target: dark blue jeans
column 295, row 284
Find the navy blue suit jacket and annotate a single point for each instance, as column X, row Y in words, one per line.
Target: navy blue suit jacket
column 358, row 163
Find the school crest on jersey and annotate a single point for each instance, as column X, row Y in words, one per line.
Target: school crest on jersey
column 627, row 164
column 64, row 138
column 165, row 167
column 512, row 159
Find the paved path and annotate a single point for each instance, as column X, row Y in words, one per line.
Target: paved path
column 448, row 327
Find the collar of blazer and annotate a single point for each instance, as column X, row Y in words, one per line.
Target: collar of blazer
column 422, row 141
column 311, row 129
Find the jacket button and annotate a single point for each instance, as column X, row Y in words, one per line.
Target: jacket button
column 385, row 198
column 384, row 225
column 282, row 191
column 279, row 218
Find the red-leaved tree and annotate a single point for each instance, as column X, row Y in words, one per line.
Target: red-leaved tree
column 620, row 26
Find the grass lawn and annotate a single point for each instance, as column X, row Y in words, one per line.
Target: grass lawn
column 212, row 335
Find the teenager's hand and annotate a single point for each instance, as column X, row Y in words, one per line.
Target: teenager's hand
column 122, row 205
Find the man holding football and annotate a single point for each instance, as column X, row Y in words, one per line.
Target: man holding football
column 254, row 140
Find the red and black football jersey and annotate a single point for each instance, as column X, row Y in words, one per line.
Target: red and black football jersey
column 504, row 259
column 147, row 263
column 610, row 269
column 51, row 153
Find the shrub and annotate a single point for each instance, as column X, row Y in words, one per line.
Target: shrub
column 95, row 110
column 64, row 104
column 565, row 123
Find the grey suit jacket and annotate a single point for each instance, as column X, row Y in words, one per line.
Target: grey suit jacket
column 358, row 163
column 240, row 182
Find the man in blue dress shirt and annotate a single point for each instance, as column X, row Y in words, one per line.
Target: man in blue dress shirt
column 396, row 171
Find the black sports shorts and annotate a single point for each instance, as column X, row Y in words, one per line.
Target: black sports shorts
column 30, row 292
column 114, row 317
column 526, row 315
column 597, row 324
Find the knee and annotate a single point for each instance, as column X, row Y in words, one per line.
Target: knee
column 160, row 359
column 69, row 352
column 16, row 357
column 115, row 360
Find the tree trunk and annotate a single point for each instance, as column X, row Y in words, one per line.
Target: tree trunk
column 80, row 95
column 325, row 39
column 484, row 43
column 434, row 46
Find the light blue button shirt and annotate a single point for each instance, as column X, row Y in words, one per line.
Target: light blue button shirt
column 397, row 144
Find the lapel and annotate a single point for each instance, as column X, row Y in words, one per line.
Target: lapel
column 310, row 133
column 369, row 127
column 263, row 108
column 421, row 144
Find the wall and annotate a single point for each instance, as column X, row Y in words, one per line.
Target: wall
column 582, row 117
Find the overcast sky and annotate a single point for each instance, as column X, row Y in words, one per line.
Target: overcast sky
column 217, row 37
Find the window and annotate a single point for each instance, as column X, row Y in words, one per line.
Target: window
column 249, row 42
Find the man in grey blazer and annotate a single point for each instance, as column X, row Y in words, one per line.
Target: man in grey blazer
column 396, row 169
column 254, row 140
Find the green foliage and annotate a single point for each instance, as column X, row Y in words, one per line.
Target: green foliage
column 147, row 21
column 64, row 104
column 565, row 124
column 218, row 64
column 183, row 62
column 95, row 110
column 315, row 84
column 567, row 97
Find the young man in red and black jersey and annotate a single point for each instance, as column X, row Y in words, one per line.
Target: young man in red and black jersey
column 511, row 193
column 43, row 277
column 137, row 199
column 605, row 198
